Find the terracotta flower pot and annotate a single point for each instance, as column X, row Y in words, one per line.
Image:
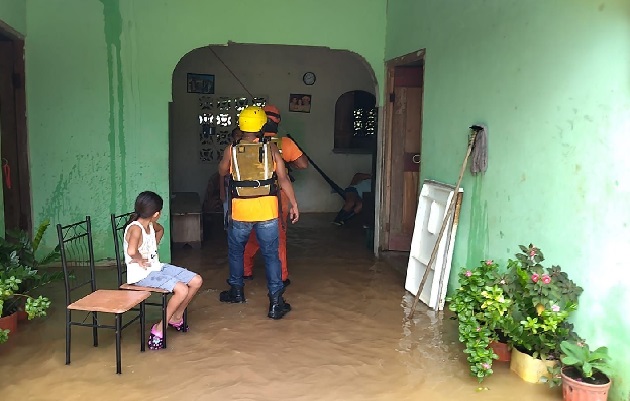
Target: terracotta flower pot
column 9, row 323
column 502, row 350
column 21, row 315
column 575, row 390
column 528, row 368
column 21, row 312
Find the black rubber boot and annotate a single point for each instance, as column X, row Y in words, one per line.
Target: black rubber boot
column 277, row 306
column 234, row 295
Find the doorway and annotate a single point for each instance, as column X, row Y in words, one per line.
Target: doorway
column 402, row 142
column 14, row 143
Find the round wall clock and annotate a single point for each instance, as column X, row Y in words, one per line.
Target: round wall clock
column 309, row 78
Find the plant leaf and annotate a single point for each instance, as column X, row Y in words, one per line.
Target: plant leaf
column 40, row 233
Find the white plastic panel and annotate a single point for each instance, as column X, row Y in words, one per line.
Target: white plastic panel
column 432, row 207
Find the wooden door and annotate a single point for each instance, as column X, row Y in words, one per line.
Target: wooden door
column 403, row 164
column 15, row 175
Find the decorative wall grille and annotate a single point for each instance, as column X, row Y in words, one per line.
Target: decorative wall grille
column 218, row 116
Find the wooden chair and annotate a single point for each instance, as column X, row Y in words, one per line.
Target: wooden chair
column 119, row 223
column 77, row 256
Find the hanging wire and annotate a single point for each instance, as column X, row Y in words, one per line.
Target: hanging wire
column 230, row 70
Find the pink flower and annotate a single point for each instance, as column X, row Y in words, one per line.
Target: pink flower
column 535, row 277
column 555, row 308
column 579, row 344
column 502, row 282
column 468, row 273
column 489, row 262
column 478, row 328
column 546, row 279
column 485, row 365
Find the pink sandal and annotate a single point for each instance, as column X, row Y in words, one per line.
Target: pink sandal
column 155, row 340
column 179, row 326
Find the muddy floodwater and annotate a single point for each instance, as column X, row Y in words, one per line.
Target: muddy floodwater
column 347, row 338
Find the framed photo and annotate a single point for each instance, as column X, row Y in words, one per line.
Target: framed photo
column 200, row 83
column 300, row 103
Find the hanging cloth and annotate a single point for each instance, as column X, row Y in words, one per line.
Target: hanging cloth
column 6, row 169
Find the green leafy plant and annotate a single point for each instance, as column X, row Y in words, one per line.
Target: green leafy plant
column 543, row 300
column 592, row 367
column 27, row 268
column 19, row 274
column 480, row 305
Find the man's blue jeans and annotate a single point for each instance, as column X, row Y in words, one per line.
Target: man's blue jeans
column 267, row 235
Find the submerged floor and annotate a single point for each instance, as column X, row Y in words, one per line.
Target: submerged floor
column 346, row 339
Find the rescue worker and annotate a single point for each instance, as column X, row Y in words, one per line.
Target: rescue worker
column 255, row 168
column 295, row 158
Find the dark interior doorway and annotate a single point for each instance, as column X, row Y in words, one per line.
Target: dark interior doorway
column 14, row 141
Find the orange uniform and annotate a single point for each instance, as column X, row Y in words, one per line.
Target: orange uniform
column 290, row 153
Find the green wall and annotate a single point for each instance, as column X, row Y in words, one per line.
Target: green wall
column 99, row 82
column 13, row 14
column 551, row 81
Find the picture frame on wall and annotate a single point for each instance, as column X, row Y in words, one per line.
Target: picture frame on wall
column 200, row 83
column 300, row 103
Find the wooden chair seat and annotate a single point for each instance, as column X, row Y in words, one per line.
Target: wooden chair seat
column 110, row 301
column 134, row 287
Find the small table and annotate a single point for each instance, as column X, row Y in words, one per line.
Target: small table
column 186, row 227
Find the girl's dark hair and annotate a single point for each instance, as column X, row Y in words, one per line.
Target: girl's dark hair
column 147, row 204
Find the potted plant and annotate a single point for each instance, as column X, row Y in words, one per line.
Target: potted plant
column 12, row 275
column 19, row 276
column 480, row 305
column 585, row 374
column 543, row 299
column 18, row 241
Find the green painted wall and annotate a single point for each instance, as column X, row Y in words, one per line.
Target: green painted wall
column 551, row 79
column 99, row 83
column 13, row 13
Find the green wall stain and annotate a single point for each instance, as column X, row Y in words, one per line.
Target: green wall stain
column 113, row 32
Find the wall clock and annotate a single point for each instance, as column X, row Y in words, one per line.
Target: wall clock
column 309, row 78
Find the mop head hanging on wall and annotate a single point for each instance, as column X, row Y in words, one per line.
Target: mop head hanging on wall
column 479, row 154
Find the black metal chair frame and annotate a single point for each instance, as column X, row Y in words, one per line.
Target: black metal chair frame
column 119, row 223
column 74, row 232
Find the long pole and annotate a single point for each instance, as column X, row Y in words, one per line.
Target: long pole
column 447, row 217
column 329, row 180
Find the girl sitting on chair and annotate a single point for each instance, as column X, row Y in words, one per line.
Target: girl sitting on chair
column 142, row 235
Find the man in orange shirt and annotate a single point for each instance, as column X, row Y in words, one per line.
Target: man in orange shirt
column 254, row 207
column 293, row 157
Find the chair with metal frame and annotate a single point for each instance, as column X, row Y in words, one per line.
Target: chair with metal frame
column 119, row 223
column 77, row 255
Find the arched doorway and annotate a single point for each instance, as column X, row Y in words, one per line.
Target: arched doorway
column 212, row 84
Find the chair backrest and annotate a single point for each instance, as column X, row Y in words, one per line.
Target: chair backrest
column 119, row 223
column 77, row 256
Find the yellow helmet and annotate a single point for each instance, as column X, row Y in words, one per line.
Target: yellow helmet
column 252, row 119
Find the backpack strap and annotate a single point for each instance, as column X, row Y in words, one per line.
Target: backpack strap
column 254, row 183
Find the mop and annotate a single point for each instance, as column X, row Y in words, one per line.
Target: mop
column 477, row 146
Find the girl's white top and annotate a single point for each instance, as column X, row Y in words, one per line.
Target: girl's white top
column 148, row 250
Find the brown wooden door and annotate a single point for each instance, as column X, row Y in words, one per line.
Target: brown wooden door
column 404, row 172
column 15, row 175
